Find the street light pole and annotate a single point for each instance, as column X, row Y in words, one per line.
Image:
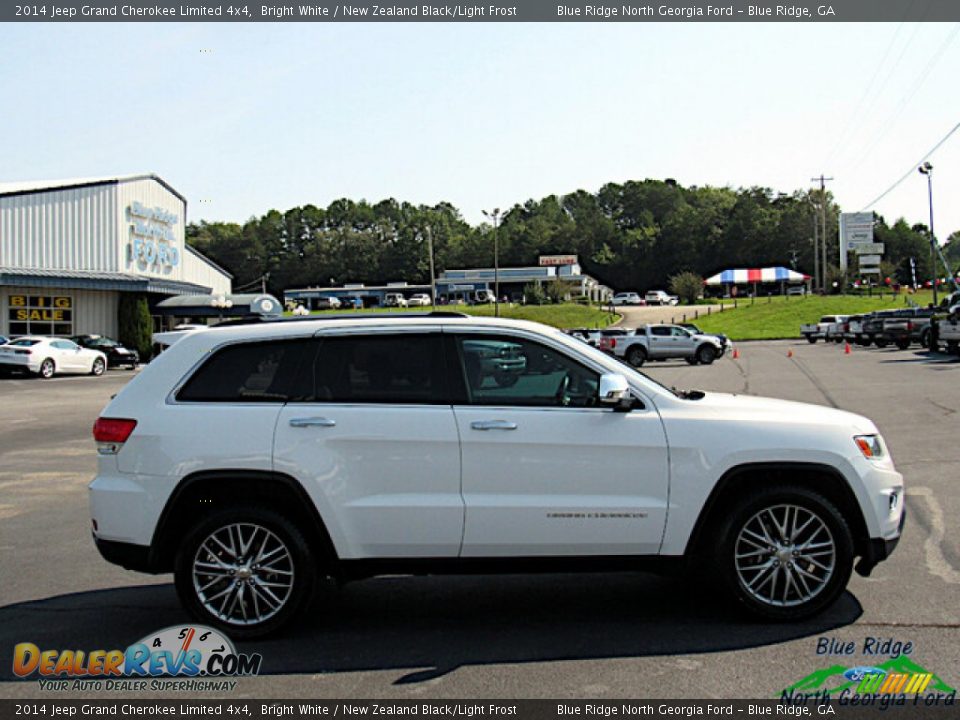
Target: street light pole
column 495, row 216
column 927, row 169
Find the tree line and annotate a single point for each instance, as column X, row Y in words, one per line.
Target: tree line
column 630, row 236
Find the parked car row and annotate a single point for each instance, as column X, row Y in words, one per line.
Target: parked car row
column 654, row 297
column 48, row 356
column 927, row 327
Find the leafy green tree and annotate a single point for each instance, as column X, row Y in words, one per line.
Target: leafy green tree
column 688, row 286
column 135, row 324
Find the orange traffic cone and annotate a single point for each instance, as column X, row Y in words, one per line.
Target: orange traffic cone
column 846, row 350
column 789, row 353
column 736, row 353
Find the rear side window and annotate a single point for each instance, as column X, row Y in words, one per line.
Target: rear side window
column 404, row 368
column 251, row 372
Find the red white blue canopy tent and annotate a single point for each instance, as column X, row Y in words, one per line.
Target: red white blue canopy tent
column 756, row 275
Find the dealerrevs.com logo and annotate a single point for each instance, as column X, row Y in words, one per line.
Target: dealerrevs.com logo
column 192, row 657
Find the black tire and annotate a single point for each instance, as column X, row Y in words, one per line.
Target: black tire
column 48, row 368
column 864, row 341
column 99, row 367
column 811, row 339
column 902, row 343
column 706, row 354
column 636, row 356
column 881, row 343
column 299, row 562
column 741, row 517
column 953, row 347
column 692, row 360
column 925, row 338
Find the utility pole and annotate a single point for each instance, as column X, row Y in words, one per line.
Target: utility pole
column 433, row 282
column 823, row 226
column 816, row 246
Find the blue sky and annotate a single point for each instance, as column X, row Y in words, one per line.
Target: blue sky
column 243, row 118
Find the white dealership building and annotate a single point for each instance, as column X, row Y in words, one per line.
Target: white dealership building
column 70, row 248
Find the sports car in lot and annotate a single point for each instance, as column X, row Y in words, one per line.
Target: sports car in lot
column 48, row 356
column 117, row 354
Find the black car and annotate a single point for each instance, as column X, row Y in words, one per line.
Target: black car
column 117, row 354
column 724, row 340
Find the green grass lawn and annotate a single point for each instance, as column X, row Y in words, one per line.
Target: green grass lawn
column 781, row 317
column 567, row 315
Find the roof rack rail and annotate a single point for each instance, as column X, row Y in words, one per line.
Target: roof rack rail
column 256, row 319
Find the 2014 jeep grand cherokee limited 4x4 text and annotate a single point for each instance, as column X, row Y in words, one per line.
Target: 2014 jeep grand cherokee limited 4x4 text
column 254, row 459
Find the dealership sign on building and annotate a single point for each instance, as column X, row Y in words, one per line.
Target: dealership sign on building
column 552, row 260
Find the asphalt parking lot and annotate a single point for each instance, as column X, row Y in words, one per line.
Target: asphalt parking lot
column 556, row 636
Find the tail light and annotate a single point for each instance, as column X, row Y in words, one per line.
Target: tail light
column 111, row 433
column 909, row 326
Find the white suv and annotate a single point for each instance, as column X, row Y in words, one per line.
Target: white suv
column 253, row 459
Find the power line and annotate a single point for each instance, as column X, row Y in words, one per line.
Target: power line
column 910, row 172
column 851, row 120
column 893, row 68
column 935, row 58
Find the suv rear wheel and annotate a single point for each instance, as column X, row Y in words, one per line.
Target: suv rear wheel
column 785, row 554
column 245, row 570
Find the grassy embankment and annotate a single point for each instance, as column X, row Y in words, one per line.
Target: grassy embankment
column 567, row 315
column 781, row 317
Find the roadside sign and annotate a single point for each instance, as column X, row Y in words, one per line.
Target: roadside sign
column 855, row 229
column 552, row 260
column 869, row 249
column 870, row 271
column 869, row 260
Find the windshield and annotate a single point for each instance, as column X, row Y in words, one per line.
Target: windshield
column 103, row 342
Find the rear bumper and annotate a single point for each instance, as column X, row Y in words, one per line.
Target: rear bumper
column 879, row 549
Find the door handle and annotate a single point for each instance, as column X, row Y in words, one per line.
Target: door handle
column 312, row 422
column 493, row 425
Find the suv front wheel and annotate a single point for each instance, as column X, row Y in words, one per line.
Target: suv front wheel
column 785, row 554
column 245, row 570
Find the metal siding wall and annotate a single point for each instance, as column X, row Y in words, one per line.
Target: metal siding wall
column 72, row 229
column 197, row 271
column 94, row 312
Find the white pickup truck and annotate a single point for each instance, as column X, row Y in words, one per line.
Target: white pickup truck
column 949, row 330
column 829, row 328
column 662, row 342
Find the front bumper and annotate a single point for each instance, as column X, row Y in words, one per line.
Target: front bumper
column 879, row 549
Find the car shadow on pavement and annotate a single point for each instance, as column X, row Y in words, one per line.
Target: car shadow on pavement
column 925, row 357
column 431, row 626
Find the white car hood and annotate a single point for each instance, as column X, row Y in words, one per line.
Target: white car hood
column 761, row 409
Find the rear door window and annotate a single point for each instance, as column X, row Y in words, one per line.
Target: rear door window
column 400, row 368
column 248, row 372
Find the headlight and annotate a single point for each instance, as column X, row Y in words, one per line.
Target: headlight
column 871, row 446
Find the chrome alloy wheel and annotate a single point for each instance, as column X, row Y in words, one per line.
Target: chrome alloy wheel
column 243, row 574
column 785, row 555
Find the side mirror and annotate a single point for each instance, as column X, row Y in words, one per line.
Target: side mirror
column 613, row 388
